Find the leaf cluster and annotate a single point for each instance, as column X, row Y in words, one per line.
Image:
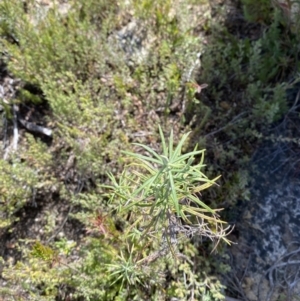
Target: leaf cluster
column 162, row 185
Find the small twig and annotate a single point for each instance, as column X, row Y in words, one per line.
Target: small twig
column 288, row 279
column 185, row 258
column 231, row 299
column 16, row 131
column 233, row 121
column 74, row 269
column 294, row 106
column 30, row 126
column 5, row 143
column 234, row 282
column 61, row 226
column 14, row 144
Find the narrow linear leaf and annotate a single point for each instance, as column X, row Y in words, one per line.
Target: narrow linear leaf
column 142, row 157
column 163, row 142
column 173, row 193
column 178, row 148
column 202, row 187
column 170, row 155
column 200, row 203
column 186, row 156
column 203, row 216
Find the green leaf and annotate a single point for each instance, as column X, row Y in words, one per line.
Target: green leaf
column 177, row 151
column 163, row 142
column 170, row 155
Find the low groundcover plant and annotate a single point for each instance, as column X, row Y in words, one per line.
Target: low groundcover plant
column 161, row 193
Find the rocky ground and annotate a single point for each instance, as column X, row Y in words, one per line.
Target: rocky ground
column 266, row 256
